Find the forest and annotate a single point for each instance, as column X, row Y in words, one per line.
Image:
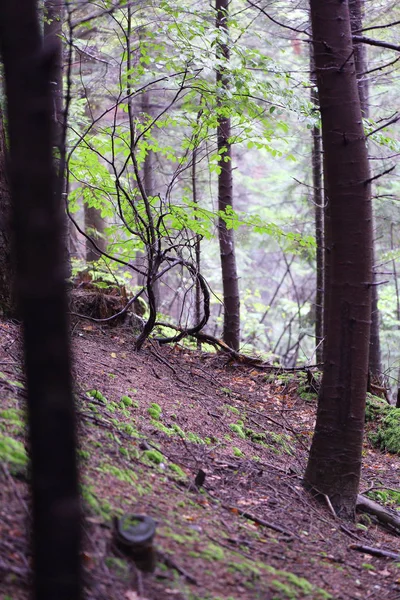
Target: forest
column 199, row 299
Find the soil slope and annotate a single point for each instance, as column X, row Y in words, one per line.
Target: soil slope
column 149, row 423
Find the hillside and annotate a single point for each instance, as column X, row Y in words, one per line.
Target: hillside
column 148, row 423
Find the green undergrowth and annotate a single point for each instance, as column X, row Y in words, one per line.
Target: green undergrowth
column 383, row 425
column 13, row 454
column 277, row 442
column 388, row 497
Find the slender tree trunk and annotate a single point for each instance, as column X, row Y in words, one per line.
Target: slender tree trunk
column 335, row 457
column 231, row 330
column 360, row 55
column 94, row 227
column 7, row 304
column 149, row 177
column 318, row 199
column 41, row 291
column 52, row 33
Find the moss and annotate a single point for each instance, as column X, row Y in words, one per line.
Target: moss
column 13, row 421
column 233, row 409
column 161, row 427
column 11, row 382
column 308, row 397
column 83, row 454
column 154, row 411
column 98, row 395
column 178, row 430
column 388, row 497
column 374, row 408
column 153, row 456
column 254, row 436
column 227, row 391
column 193, row 437
column 93, row 504
column 238, row 429
column 387, row 435
column 129, row 430
column 213, row 552
column 13, row 453
column 237, row 452
column 120, row 566
column 176, row 469
column 127, row 401
column 125, row 475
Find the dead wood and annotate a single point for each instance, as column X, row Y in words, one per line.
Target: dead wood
column 384, row 515
column 375, row 551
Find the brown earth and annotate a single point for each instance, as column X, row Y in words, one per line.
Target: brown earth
column 251, row 532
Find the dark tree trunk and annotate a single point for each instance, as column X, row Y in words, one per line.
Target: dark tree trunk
column 318, row 199
column 52, row 32
column 360, row 55
column 230, row 286
column 197, row 243
column 41, row 291
column 7, row 304
column 335, row 457
column 94, row 228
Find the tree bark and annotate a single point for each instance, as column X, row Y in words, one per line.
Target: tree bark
column 230, row 286
column 360, row 55
column 41, row 291
column 7, row 303
column 52, row 33
column 318, row 200
column 335, row 457
column 94, row 228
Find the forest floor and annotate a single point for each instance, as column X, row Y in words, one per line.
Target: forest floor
column 156, row 418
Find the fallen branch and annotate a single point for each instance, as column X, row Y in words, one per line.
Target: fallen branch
column 375, row 551
column 384, row 515
column 258, row 521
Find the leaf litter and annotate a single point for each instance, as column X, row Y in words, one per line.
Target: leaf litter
column 214, row 453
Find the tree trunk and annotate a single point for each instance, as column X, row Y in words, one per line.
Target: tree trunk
column 360, row 55
column 94, row 228
column 41, row 291
column 52, row 33
column 7, row 304
column 318, row 200
column 149, row 177
column 230, row 286
column 335, row 456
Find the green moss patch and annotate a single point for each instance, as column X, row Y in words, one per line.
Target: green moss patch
column 385, row 421
column 13, row 453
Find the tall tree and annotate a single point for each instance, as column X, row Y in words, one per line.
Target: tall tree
column 41, row 291
column 360, row 55
column 335, row 457
column 230, row 285
column 318, row 199
column 7, row 304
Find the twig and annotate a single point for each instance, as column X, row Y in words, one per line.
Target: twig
column 257, row 520
column 169, row 562
column 329, row 503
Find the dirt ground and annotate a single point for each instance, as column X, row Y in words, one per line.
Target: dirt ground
column 148, row 423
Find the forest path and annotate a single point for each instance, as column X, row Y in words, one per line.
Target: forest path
column 148, row 423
